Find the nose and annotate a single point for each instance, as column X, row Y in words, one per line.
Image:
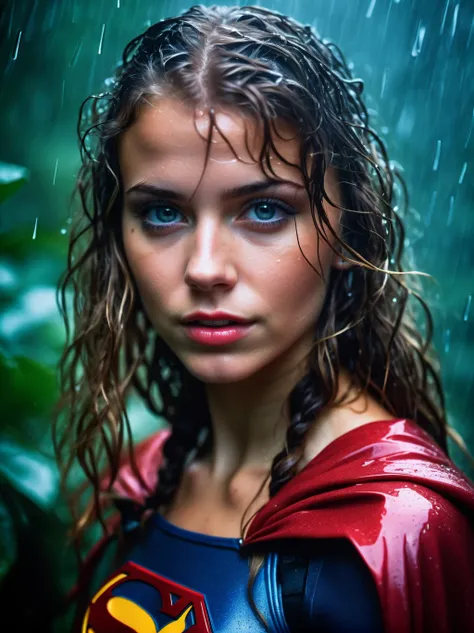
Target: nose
column 210, row 262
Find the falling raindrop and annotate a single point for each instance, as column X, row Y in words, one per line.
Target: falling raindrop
column 17, row 46
column 468, row 138
column 462, row 174
column 55, row 171
column 10, row 22
column 370, row 10
column 99, row 52
column 118, row 4
column 467, row 308
column 418, row 43
column 431, row 208
column 384, row 81
column 63, row 231
column 34, row 230
column 77, row 52
column 437, row 156
column 443, row 22
column 447, row 340
column 451, row 210
column 470, row 34
column 63, row 92
column 455, row 21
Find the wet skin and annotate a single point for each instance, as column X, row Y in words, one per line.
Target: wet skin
column 210, row 247
column 212, row 251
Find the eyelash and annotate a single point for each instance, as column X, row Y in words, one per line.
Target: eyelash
column 158, row 228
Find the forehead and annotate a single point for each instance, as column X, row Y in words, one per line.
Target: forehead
column 168, row 134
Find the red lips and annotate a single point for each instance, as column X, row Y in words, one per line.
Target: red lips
column 214, row 316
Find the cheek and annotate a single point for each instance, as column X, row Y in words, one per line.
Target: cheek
column 294, row 286
column 151, row 271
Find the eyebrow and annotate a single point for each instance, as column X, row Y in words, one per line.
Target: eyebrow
column 234, row 192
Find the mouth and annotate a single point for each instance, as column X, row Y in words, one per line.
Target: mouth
column 217, row 331
column 215, row 319
column 215, row 323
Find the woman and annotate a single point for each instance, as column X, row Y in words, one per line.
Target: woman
column 238, row 263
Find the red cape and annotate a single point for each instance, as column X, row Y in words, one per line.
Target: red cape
column 388, row 489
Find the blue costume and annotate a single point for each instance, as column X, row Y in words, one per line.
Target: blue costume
column 374, row 534
column 199, row 583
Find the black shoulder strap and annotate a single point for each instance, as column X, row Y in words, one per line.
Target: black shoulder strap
column 292, row 574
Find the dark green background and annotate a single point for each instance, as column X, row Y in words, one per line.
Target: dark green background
column 416, row 57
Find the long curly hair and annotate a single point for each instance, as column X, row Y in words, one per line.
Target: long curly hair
column 374, row 324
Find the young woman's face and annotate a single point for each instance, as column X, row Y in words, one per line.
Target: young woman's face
column 225, row 240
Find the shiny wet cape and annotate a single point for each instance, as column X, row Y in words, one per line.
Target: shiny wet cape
column 389, row 490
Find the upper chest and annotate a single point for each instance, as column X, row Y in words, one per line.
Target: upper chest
column 179, row 579
column 203, row 507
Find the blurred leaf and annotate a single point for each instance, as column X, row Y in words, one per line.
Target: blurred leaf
column 12, row 177
column 19, row 245
column 28, row 389
column 35, row 543
column 33, row 474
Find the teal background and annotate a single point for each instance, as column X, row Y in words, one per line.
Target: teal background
column 416, row 58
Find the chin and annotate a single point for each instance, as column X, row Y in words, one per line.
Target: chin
column 222, row 370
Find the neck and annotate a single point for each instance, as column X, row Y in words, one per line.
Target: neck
column 249, row 421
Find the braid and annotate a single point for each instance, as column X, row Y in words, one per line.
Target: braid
column 307, row 399
column 184, row 406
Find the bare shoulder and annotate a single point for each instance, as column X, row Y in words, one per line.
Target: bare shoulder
column 338, row 420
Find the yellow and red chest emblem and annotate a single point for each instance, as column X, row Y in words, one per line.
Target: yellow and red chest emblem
column 109, row 613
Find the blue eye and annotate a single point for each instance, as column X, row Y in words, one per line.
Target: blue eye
column 262, row 215
column 269, row 213
column 161, row 215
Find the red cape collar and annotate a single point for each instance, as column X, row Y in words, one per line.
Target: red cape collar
column 391, row 491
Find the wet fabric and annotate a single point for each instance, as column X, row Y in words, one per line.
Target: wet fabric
column 387, row 490
column 174, row 579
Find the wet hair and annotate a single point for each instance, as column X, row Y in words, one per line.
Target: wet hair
column 374, row 324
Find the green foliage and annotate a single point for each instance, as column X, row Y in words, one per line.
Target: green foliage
column 32, row 534
column 12, row 177
column 41, row 91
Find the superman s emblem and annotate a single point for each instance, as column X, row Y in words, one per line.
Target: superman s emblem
column 111, row 613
